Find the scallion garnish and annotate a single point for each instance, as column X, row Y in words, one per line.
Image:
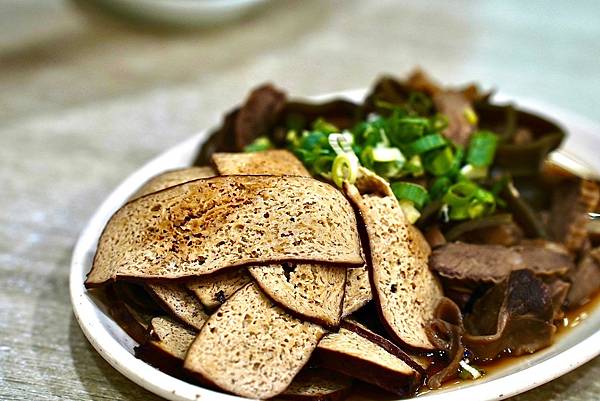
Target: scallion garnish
column 415, row 193
column 482, row 148
column 259, row 144
column 425, row 144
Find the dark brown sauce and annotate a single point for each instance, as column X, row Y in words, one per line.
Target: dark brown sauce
column 572, row 319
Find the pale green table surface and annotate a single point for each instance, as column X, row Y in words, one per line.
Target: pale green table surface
column 84, row 102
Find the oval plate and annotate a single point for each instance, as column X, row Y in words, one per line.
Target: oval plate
column 577, row 346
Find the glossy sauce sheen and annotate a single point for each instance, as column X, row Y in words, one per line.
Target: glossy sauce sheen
column 571, row 320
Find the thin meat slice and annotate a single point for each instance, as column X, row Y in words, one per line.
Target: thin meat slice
column 318, row 385
column 207, row 225
column 312, row 292
column 251, row 347
column 572, row 200
column 166, row 344
column 180, row 303
column 585, row 279
column 360, row 353
column 171, row 178
column 214, row 290
column 357, row 292
column 493, row 263
column 404, row 289
column 269, row 162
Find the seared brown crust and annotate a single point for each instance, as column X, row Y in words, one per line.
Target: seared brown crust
column 201, row 217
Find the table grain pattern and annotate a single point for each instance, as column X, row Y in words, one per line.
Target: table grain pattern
column 85, row 101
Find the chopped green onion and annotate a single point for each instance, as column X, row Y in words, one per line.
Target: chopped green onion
column 415, row 193
column 482, row 148
column 439, row 187
column 259, row 144
column 323, row 166
column 409, row 210
column 474, row 172
column 384, row 154
column 440, row 161
column 439, row 122
column 425, row 144
column 469, row 372
column 420, row 103
column 406, row 129
column 470, row 115
column 414, row 166
column 389, row 170
column 324, row 127
column 345, row 168
column 460, row 194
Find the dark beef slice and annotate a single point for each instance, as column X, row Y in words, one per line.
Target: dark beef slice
column 258, row 115
column 242, row 125
column 493, row 263
column 568, row 218
column 515, row 316
column 585, row 279
column 473, row 262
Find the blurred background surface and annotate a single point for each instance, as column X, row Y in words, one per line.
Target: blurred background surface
column 86, row 98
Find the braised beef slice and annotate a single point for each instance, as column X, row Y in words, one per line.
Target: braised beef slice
column 558, row 290
column 242, row 125
column 504, row 234
column 445, row 332
column 493, row 263
column 515, row 317
column 258, row 115
column 450, row 102
column 571, row 201
column 585, row 279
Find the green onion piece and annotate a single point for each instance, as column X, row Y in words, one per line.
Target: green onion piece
column 389, row 170
column 420, row 103
column 323, row 165
column 402, row 130
column 470, row 115
column 439, row 122
column 425, row 144
column 440, row 161
column 412, row 192
column 414, row 166
column 382, row 154
column 460, row 194
column 409, row 210
column 324, row 127
column 482, row 148
column 474, row 173
column 258, row 145
column 345, row 168
column 439, row 187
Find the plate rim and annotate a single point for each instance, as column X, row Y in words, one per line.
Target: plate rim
column 172, row 388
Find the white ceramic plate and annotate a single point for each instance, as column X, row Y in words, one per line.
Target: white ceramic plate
column 569, row 351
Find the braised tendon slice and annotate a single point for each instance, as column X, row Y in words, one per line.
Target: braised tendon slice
column 171, row 178
column 318, row 385
column 214, row 290
column 181, row 304
column 270, row 162
column 251, row 347
column 405, row 291
column 311, row 291
column 357, row 352
column 203, row 226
